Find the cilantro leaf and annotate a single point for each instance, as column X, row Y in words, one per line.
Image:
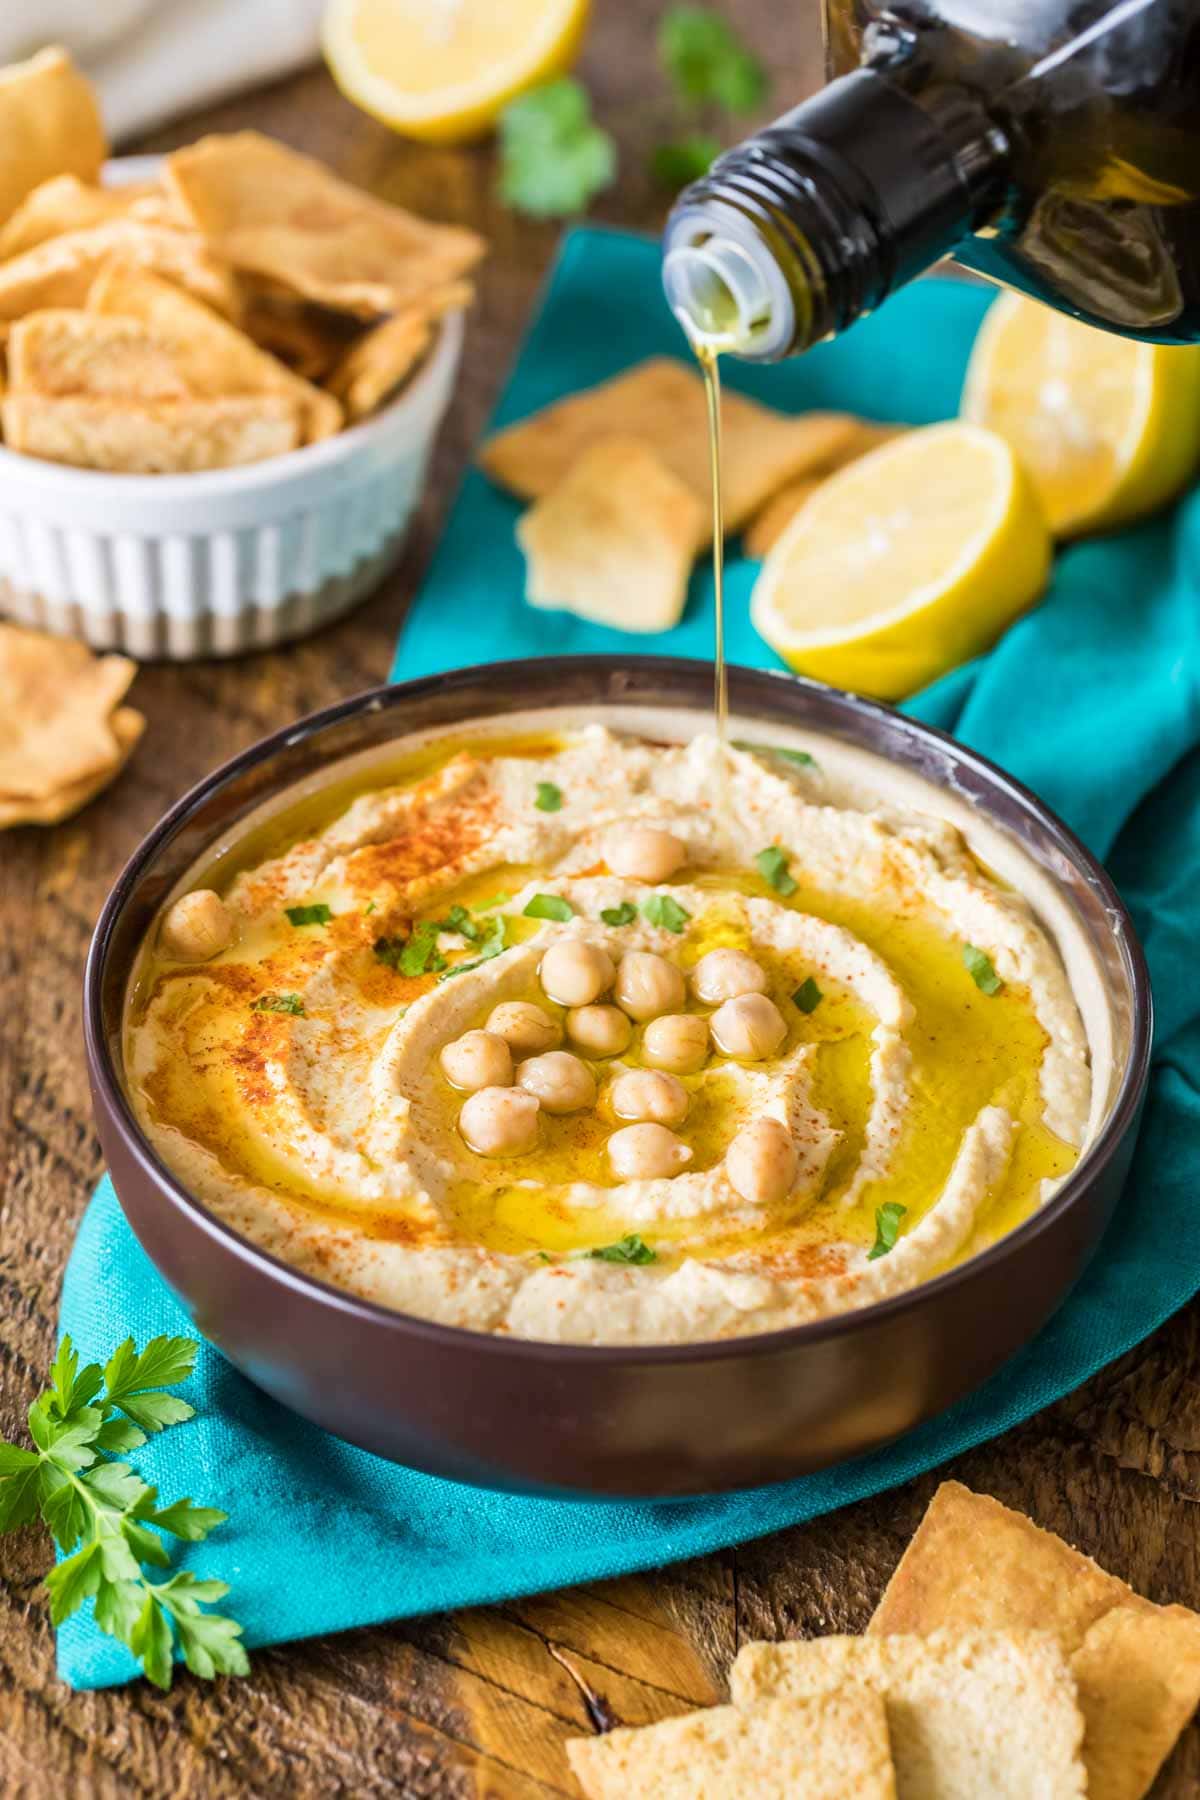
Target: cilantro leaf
column 459, row 919
column 106, row 1519
column 707, row 62
column 553, row 155
column 549, row 798
column 279, row 1003
column 629, row 1249
column 493, row 941
column 549, row 906
column 801, row 758
column 981, row 969
column 663, row 911
column 687, row 159
column 887, row 1228
column 624, row 914
column 772, row 865
column 415, row 955
column 316, row 914
column 807, row 996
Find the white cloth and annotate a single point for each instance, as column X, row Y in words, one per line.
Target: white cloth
column 154, row 59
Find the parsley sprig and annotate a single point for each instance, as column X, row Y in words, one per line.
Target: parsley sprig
column 71, row 1480
column 714, row 78
column 553, row 155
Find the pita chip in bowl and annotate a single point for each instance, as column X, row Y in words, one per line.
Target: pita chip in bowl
column 65, row 733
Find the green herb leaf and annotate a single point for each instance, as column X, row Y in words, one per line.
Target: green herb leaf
column 106, row 1519
column 491, row 944
column 807, row 996
column 687, row 159
column 280, row 1003
column 369, row 909
column 549, row 906
column 981, row 969
column 500, row 899
column 624, row 914
column 416, row 955
column 887, row 1228
column 316, row 914
column 772, row 865
column 707, row 62
column 663, row 911
column 629, row 1249
column 801, row 758
column 553, row 156
column 549, row 798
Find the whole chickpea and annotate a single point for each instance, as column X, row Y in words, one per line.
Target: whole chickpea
column 500, row 1121
column 526, row 1027
column 724, row 974
column 648, row 985
column 749, row 1028
column 575, row 973
column 761, row 1162
column 646, row 1152
column 644, row 853
column 559, row 1081
column 644, row 1094
column 198, row 925
column 478, row 1059
column 599, row 1030
column 676, row 1041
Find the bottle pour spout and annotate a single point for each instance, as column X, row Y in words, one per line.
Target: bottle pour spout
column 726, row 294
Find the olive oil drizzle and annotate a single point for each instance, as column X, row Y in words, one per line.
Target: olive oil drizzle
column 706, row 356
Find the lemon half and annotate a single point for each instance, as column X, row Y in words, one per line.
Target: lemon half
column 442, row 70
column 905, row 563
column 1107, row 427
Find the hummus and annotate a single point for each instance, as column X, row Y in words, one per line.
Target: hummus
column 925, row 1063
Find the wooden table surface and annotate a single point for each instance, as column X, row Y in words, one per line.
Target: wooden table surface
column 479, row 1702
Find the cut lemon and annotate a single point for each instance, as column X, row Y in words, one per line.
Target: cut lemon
column 1108, row 428
column 442, row 70
column 905, row 563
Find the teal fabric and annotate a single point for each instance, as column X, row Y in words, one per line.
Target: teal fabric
column 1092, row 699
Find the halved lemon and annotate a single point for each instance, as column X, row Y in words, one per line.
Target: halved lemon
column 1108, row 428
column 905, row 563
column 442, row 70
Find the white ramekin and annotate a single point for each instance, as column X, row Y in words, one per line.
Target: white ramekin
column 227, row 560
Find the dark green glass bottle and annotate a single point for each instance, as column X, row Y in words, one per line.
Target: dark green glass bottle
column 1051, row 145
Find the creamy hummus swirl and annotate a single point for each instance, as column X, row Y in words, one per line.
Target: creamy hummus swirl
column 294, row 1079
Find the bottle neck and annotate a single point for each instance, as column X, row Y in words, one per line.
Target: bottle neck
column 793, row 235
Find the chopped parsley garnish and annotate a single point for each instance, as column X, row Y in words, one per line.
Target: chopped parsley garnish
column 459, row 919
column 280, row 1003
column 887, row 1228
column 500, row 899
column 685, row 159
column 624, row 914
column 807, row 996
column 553, row 155
column 549, row 906
column 416, row 955
column 772, row 865
column 801, row 758
column 545, row 1256
column 490, row 942
column 549, row 798
column 317, row 914
column 662, row 910
column 371, row 908
column 707, row 62
column 981, row 969
column 629, row 1249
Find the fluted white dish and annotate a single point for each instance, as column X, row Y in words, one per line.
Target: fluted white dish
column 224, row 560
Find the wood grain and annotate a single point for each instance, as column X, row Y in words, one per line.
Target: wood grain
column 481, row 1703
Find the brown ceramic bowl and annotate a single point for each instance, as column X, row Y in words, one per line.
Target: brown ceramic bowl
column 666, row 1420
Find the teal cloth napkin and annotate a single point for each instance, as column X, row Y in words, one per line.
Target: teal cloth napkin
column 1092, row 699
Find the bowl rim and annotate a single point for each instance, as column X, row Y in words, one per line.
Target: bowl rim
column 39, row 474
column 1121, row 1118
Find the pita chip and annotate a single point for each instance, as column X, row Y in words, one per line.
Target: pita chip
column 65, row 203
column 63, row 351
column 151, row 437
column 127, row 728
column 285, row 217
column 57, row 703
column 49, row 125
column 662, row 402
column 975, row 1565
column 615, row 541
column 60, row 271
column 309, row 340
column 769, row 525
column 826, row 1748
column 211, row 357
column 380, row 359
